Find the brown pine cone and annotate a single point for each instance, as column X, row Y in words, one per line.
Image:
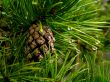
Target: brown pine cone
column 39, row 43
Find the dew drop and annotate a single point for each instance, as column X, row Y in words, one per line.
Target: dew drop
column 97, row 42
column 94, row 48
column 69, row 28
column 72, row 40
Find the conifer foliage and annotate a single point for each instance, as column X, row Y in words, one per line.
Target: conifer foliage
column 65, row 34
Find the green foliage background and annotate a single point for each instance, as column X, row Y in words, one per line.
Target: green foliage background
column 77, row 28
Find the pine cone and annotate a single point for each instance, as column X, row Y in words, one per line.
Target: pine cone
column 39, row 43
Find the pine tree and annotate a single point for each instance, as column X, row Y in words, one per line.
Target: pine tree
column 41, row 27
